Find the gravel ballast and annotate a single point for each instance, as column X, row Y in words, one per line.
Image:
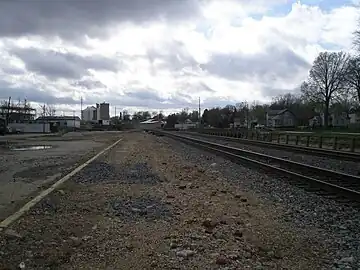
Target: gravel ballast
column 337, row 224
column 350, row 167
column 155, row 203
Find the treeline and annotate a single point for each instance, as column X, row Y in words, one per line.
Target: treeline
column 332, row 87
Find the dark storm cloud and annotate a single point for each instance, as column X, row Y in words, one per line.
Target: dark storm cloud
column 270, row 92
column 141, row 98
column 144, row 94
column 150, row 99
column 175, row 59
column 75, row 18
column 215, row 102
column 145, row 98
column 204, row 87
column 274, row 63
column 55, row 65
column 88, row 84
column 32, row 94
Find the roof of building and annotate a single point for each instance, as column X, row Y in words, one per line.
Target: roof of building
column 276, row 112
column 151, row 121
column 188, row 121
column 90, row 107
column 49, row 118
column 354, row 110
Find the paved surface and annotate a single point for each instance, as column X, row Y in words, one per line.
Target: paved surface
column 23, row 173
column 22, row 136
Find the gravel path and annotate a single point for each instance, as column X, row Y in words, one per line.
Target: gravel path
column 337, row 225
column 349, row 167
column 154, row 203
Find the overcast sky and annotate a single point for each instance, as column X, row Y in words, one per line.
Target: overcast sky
column 164, row 54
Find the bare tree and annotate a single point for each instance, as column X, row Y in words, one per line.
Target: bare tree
column 47, row 110
column 353, row 76
column 50, row 110
column 356, row 38
column 326, row 80
column 242, row 109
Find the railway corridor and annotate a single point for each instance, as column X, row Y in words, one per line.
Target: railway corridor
column 155, row 203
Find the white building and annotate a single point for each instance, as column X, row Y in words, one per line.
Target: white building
column 89, row 114
column 99, row 114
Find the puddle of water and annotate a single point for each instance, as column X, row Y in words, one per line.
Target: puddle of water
column 30, row 147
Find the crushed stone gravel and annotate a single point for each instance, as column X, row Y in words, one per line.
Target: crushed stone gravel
column 337, row 223
column 99, row 171
column 139, row 208
column 350, row 167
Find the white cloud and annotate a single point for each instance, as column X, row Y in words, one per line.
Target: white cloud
column 223, row 54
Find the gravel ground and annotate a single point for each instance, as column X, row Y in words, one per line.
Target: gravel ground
column 349, row 167
column 337, row 225
column 153, row 203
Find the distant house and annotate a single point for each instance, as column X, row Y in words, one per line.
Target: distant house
column 335, row 120
column 339, row 119
column 187, row 124
column 354, row 116
column 280, row 118
column 151, row 124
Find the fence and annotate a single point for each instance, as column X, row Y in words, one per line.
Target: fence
column 344, row 142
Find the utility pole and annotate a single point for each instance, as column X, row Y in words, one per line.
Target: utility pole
column 247, row 115
column 81, row 104
column 44, row 114
column 199, row 112
column 119, row 113
column 74, row 119
column 8, row 112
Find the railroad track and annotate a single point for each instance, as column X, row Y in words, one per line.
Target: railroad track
column 332, row 184
column 321, row 152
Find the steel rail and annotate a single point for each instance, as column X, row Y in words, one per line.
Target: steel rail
column 332, row 182
column 329, row 153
